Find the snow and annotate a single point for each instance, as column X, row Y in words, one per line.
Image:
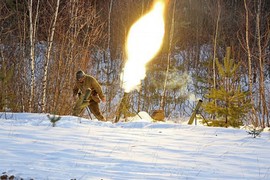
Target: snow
column 78, row 148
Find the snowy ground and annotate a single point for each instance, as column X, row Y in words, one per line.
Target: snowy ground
column 31, row 148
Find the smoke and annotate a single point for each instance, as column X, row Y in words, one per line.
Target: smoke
column 176, row 80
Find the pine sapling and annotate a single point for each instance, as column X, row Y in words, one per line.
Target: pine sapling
column 53, row 119
column 255, row 132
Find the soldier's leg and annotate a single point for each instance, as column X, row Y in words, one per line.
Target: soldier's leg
column 118, row 114
column 94, row 108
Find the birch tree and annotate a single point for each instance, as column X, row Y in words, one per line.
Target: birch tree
column 215, row 46
column 263, row 106
column 162, row 103
column 108, row 60
column 32, row 35
column 47, row 58
column 254, row 117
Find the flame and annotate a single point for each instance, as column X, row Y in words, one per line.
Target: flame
column 144, row 41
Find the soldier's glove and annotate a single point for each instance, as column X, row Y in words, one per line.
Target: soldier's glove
column 103, row 99
column 85, row 101
column 84, row 104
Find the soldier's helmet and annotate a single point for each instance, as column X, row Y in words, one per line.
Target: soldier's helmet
column 79, row 74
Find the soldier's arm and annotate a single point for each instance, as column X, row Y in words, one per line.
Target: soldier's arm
column 75, row 90
column 96, row 86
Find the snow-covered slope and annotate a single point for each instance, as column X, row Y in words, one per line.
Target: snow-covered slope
column 79, row 148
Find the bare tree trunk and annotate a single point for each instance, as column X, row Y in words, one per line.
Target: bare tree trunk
column 109, row 24
column 215, row 48
column 22, row 61
column 23, row 72
column 108, row 62
column 139, row 100
column 32, row 57
column 254, row 118
column 162, row 102
column 261, row 63
column 47, row 59
column 215, row 51
column 72, row 36
column 3, row 81
column 32, row 29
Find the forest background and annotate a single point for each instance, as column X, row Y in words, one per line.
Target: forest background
column 214, row 50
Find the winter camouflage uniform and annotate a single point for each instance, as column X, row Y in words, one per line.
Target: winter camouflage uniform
column 90, row 93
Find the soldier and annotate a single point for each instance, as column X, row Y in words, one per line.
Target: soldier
column 123, row 108
column 90, row 94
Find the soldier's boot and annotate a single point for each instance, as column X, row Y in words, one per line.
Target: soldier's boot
column 103, row 118
column 99, row 116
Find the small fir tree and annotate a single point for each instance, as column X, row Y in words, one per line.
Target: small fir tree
column 227, row 102
column 255, row 132
column 53, row 119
